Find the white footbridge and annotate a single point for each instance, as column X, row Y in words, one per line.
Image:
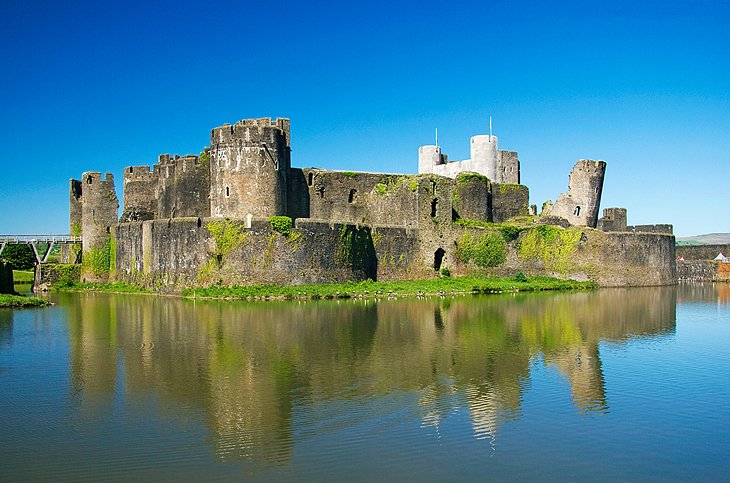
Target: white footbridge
column 42, row 245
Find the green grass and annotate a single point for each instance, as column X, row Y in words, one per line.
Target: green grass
column 116, row 287
column 21, row 301
column 23, row 276
column 368, row 289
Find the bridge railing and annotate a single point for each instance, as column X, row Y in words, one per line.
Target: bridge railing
column 26, row 239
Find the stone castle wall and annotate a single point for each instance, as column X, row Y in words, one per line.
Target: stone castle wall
column 702, row 252
column 609, row 259
column 140, row 193
column 703, row 271
column 177, row 253
column 183, row 187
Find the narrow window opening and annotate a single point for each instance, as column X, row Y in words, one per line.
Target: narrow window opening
column 311, row 178
column 352, row 196
column 228, row 192
column 434, row 205
column 89, row 179
column 200, row 222
column 320, row 191
column 433, row 187
column 576, row 212
column 131, row 169
column 438, row 258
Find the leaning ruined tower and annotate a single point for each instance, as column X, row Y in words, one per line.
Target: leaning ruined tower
column 585, row 186
column 249, row 168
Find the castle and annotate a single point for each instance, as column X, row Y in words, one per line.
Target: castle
column 225, row 216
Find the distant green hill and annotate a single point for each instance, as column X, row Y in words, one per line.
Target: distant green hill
column 708, row 239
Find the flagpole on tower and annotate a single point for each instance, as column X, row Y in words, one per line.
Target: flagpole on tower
column 490, row 129
column 437, row 137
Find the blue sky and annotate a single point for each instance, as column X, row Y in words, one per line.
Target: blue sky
column 644, row 86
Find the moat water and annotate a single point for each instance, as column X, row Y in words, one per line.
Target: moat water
column 617, row 384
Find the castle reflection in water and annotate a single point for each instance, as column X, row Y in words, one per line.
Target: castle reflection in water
column 257, row 373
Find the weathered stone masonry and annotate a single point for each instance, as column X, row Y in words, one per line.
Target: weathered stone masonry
column 205, row 219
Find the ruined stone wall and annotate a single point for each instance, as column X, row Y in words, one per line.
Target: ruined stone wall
column 472, row 197
column 140, row 193
column 250, row 164
column 99, row 207
column 581, row 202
column 75, row 207
column 702, row 252
column 509, row 200
column 508, row 168
column 341, row 196
column 663, row 229
column 395, row 248
column 610, row 259
column 614, row 219
column 183, row 187
column 298, row 196
column 173, row 254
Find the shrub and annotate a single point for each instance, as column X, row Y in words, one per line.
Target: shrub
column 281, row 224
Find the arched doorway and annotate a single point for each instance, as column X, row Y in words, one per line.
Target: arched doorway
column 438, row 258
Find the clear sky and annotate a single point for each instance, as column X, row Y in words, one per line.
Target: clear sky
column 643, row 85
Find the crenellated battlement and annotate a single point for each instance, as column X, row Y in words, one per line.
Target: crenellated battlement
column 168, row 164
column 134, row 173
column 250, row 132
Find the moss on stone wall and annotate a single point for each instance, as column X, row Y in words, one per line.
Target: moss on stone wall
column 552, row 245
column 509, row 231
column 505, row 188
column 355, row 247
column 112, row 255
column 295, row 238
column 228, row 235
column 485, row 250
column 66, row 274
column 463, row 178
column 98, row 259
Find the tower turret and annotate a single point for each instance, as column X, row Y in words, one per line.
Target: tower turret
column 485, row 155
column 99, row 205
column 249, row 168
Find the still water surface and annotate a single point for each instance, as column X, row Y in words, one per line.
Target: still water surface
column 618, row 384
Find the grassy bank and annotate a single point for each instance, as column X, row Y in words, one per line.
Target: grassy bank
column 368, row 289
column 23, row 276
column 116, row 287
column 21, row 301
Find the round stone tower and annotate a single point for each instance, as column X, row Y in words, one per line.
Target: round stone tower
column 485, row 155
column 428, row 157
column 99, row 205
column 249, row 168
